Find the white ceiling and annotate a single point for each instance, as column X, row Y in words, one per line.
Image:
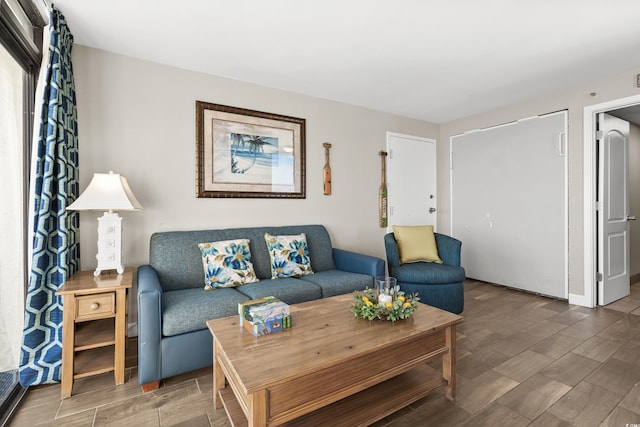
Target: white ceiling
column 435, row 60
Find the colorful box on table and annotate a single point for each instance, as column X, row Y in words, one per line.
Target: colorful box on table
column 264, row 316
column 243, row 307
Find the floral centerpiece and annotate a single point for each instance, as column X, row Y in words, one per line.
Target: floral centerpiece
column 367, row 304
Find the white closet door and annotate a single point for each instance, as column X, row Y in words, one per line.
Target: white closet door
column 509, row 203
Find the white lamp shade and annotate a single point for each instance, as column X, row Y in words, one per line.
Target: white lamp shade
column 107, row 191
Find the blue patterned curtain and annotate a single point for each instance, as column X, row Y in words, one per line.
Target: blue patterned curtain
column 54, row 174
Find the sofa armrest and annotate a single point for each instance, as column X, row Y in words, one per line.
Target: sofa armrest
column 358, row 263
column 149, row 325
column 448, row 249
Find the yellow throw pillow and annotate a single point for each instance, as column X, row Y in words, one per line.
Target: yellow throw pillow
column 416, row 243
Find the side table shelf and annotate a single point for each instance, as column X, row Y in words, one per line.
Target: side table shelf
column 93, row 362
column 98, row 333
column 94, row 326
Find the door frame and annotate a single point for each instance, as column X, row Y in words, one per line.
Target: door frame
column 590, row 170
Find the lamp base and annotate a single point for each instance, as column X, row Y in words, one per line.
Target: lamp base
column 98, row 271
column 109, row 243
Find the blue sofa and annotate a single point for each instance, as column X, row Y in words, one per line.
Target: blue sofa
column 173, row 306
column 439, row 285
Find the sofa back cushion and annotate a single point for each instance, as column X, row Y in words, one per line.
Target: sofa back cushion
column 177, row 259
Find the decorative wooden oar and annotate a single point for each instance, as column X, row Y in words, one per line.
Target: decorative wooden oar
column 382, row 205
column 326, row 171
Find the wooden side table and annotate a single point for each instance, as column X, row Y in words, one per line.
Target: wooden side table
column 94, row 325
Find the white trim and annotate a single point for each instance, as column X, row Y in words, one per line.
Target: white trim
column 451, row 180
column 405, row 136
column 566, row 199
column 589, row 186
column 132, row 329
column 578, row 300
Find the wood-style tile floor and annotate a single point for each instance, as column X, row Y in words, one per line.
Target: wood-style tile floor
column 522, row 360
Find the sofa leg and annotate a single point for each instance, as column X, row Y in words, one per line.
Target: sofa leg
column 153, row 385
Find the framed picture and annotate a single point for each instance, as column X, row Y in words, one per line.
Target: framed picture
column 245, row 153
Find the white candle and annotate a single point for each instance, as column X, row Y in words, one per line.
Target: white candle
column 384, row 298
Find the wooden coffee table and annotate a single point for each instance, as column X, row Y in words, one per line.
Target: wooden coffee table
column 330, row 368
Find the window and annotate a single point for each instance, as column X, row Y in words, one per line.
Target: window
column 20, row 37
column 12, row 226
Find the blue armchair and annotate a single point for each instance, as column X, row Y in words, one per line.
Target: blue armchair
column 438, row 285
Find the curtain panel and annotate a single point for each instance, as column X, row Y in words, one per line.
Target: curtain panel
column 55, row 252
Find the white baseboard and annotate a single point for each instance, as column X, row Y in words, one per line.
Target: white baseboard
column 580, row 300
column 132, row 329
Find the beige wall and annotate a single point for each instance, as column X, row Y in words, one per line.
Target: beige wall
column 137, row 118
column 574, row 100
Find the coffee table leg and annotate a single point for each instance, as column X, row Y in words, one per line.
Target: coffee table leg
column 218, row 377
column 449, row 362
column 258, row 411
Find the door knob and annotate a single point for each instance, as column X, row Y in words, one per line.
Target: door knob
column 631, row 217
column 432, row 210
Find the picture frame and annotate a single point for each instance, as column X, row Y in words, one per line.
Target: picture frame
column 244, row 153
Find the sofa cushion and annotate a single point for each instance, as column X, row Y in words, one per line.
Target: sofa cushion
column 427, row 272
column 289, row 255
column 416, row 243
column 227, row 263
column 289, row 290
column 188, row 310
column 336, row 282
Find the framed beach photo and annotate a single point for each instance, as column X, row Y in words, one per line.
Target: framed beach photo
column 246, row 153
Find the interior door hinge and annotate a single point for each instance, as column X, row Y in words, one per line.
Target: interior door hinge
column 599, row 135
column 599, row 277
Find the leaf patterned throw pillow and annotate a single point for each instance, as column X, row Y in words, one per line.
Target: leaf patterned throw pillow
column 227, row 264
column 289, row 255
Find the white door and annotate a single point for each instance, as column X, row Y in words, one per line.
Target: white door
column 509, row 203
column 613, row 209
column 411, row 180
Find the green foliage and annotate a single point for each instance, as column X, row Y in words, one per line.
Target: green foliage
column 365, row 305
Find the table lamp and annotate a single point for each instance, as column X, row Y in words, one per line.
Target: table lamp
column 108, row 192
